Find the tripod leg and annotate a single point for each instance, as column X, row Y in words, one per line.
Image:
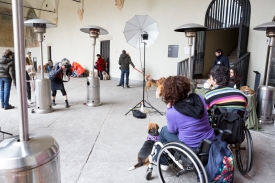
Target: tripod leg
column 153, row 107
column 133, row 107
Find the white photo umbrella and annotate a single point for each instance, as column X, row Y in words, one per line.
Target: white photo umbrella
column 136, row 26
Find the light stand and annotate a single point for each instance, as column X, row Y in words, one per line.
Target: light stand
column 190, row 32
column 43, row 102
column 143, row 101
column 93, row 83
column 266, row 94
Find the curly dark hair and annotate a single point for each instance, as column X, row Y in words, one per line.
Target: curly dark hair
column 237, row 77
column 175, row 88
column 221, row 74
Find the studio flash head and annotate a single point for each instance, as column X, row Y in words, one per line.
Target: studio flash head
column 144, row 35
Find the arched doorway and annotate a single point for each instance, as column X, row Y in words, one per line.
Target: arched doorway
column 227, row 23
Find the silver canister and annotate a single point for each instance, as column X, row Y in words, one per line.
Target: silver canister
column 43, row 102
column 93, row 91
column 34, row 161
column 265, row 103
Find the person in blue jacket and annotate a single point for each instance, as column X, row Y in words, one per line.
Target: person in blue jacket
column 221, row 59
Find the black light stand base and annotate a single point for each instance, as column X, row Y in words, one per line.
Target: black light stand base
column 144, row 102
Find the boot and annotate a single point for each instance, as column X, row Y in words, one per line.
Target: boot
column 53, row 103
column 67, row 104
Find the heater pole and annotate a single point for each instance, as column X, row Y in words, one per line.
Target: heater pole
column 41, row 55
column 271, row 45
column 94, row 43
column 20, row 67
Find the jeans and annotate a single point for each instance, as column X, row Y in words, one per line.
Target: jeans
column 165, row 137
column 5, row 87
column 48, row 69
column 123, row 72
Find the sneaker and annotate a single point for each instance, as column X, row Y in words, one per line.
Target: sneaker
column 9, row 107
column 128, row 86
column 67, row 105
column 164, row 167
column 53, row 104
column 120, row 85
column 29, row 102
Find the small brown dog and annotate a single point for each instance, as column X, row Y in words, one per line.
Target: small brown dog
column 146, row 149
column 105, row 75
column 152, row 82
column 246, row 88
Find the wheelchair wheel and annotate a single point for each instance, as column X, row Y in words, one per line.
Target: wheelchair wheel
column 173, row 154
column 244, row 154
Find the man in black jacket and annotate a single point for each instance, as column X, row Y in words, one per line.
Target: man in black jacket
column 124, row 62
column 7, row 75
column 221, row 59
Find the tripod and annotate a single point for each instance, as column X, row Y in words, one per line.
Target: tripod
column 143, row 101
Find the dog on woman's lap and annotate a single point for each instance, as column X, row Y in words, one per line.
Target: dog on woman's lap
column 146, row 149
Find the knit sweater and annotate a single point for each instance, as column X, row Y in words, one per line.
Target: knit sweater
column 226, row 97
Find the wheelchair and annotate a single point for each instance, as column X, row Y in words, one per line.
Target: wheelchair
column 187, row 165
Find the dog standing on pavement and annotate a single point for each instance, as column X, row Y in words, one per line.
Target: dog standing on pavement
column 105, row 75
column 146, row 149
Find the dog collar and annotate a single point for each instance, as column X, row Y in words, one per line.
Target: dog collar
column 153, row 138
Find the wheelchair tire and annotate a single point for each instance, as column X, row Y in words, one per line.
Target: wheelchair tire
column 244, row 154
column 187, row 158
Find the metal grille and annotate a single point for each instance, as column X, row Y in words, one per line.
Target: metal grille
column 242, row 65
column 227, row 14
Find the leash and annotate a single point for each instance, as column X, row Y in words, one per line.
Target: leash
column 147, row 76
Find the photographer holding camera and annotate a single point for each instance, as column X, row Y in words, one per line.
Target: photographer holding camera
column 63, row 69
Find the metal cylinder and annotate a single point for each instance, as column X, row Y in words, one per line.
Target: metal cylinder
column 43, row 102
column 93, row 91
column 265, row 103
column 34, row 161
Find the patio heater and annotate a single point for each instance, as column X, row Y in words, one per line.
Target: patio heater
column 265, row 93
column 93, row 84
column 190, row 30
column 26, row 158
column 43, row 102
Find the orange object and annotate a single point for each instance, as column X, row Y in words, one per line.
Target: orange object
column 78, row 68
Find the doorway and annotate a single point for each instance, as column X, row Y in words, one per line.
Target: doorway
column 49, row 53
column 226, row 40
column 105, row 52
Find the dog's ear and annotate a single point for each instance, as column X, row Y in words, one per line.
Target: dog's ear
column 157, row 126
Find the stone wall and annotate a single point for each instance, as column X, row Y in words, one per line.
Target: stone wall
column 6, row 30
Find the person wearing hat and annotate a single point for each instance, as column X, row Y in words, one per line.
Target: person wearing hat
column 29, row 58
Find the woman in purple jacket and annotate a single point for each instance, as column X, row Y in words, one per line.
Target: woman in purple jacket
column 187, row 117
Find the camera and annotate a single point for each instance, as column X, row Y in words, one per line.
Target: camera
column 68, row 66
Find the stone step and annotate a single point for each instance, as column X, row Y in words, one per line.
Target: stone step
column 232, row 57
